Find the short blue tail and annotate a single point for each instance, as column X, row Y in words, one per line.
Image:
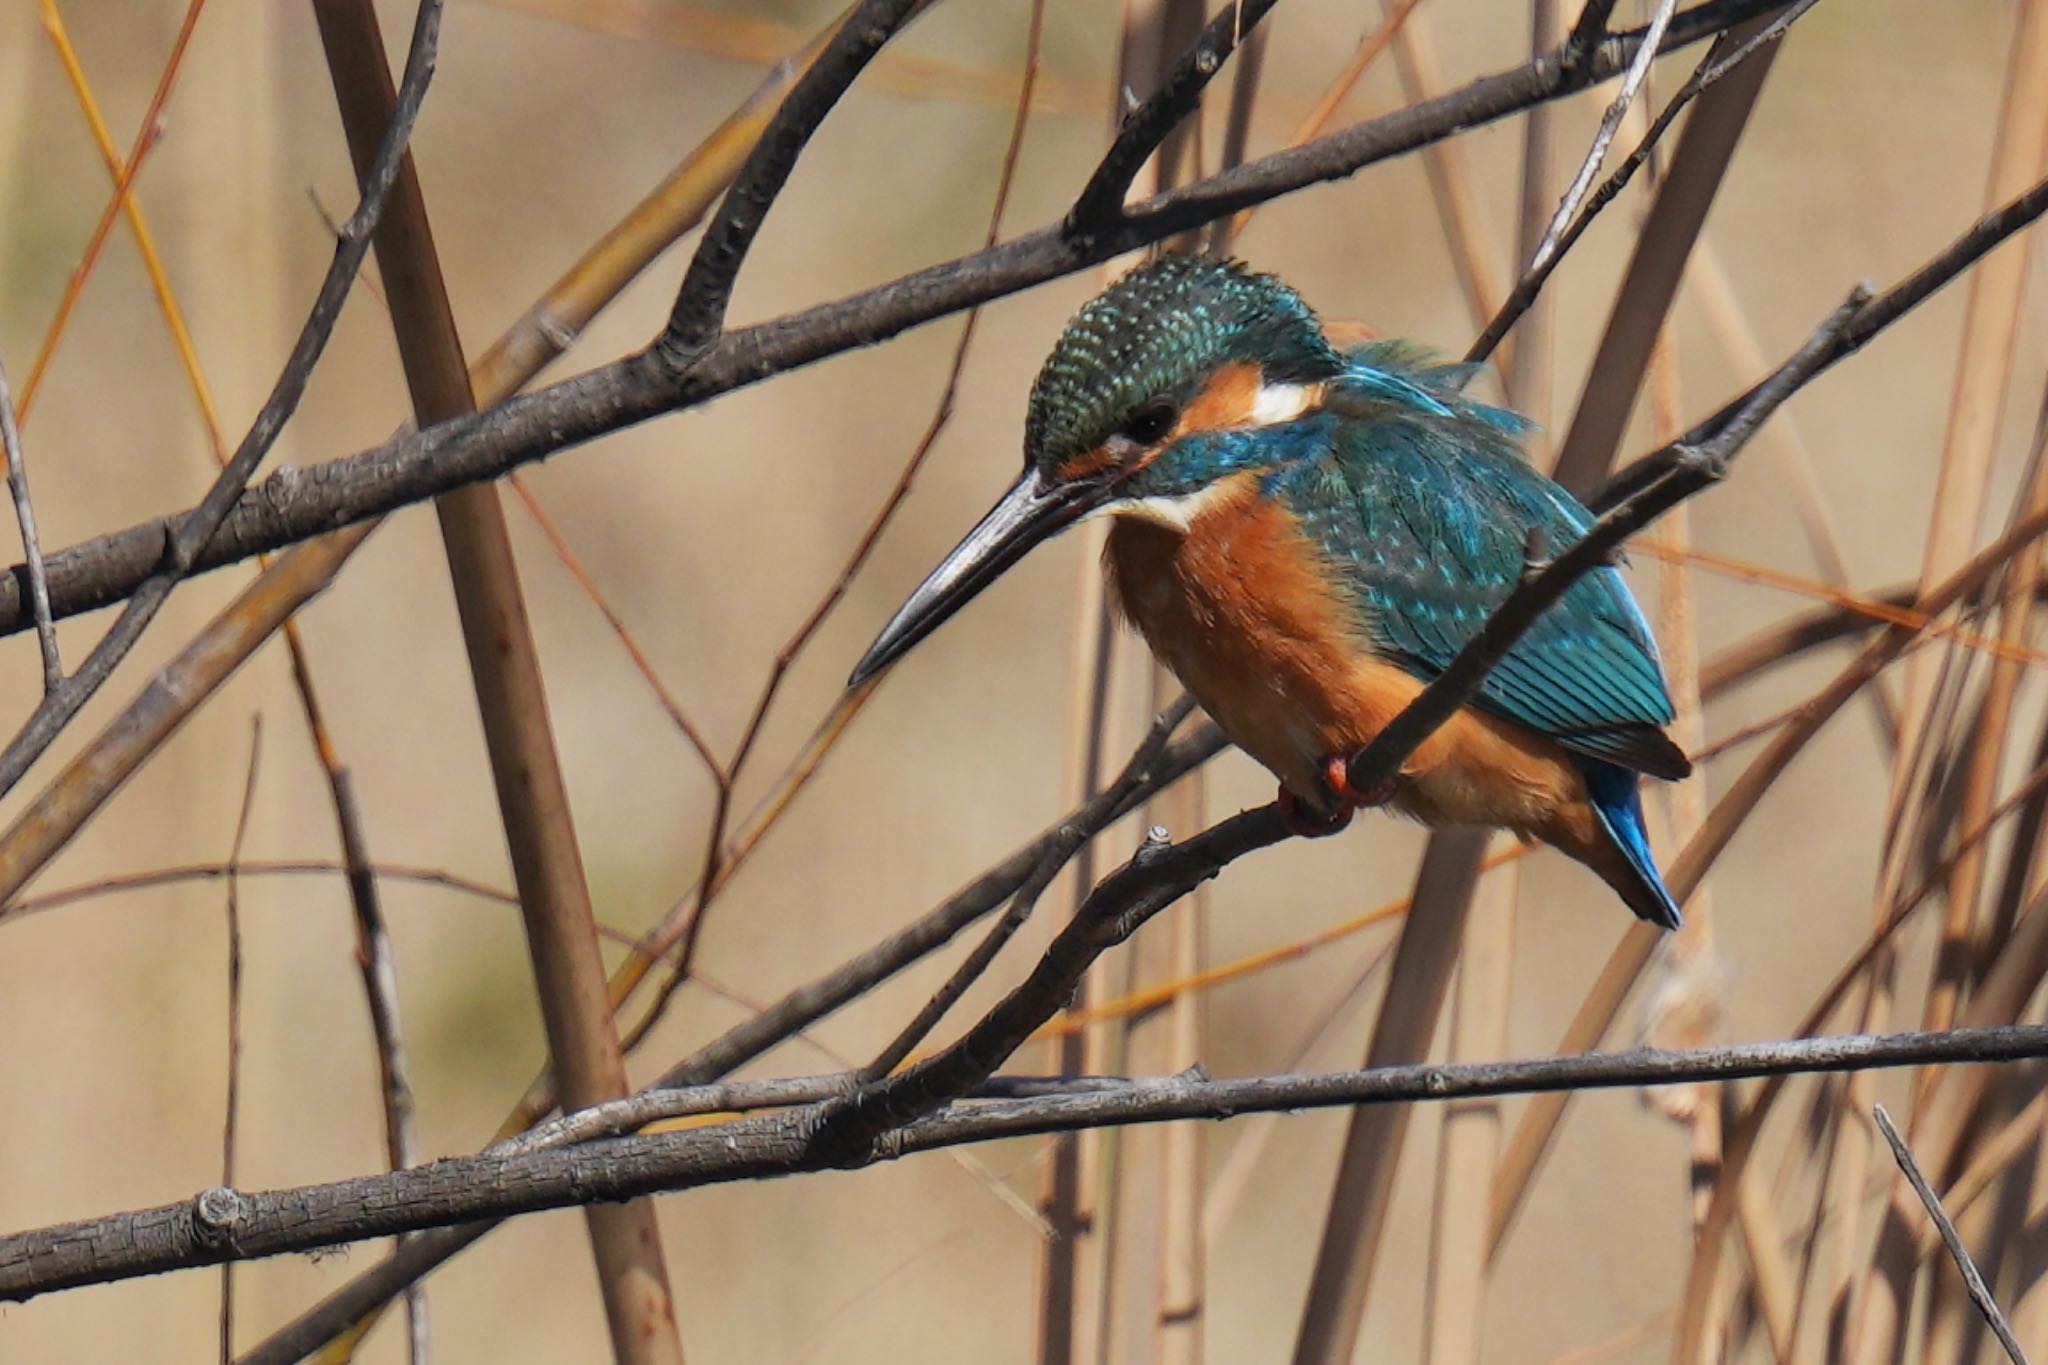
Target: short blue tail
column 1613, row 791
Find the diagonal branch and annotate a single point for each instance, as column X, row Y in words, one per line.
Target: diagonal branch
column 1972, row 1279
column 1694, row 464
column 1100, row 203
column 699, row 312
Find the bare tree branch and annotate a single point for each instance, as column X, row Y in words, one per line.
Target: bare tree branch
column 294, row 505
column 221, row 1225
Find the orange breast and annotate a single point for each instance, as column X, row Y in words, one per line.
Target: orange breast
column 1239, row 606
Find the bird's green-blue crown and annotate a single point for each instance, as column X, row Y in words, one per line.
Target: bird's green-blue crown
column 1161, row 331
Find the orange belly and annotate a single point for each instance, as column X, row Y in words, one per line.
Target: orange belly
column 1235, row 606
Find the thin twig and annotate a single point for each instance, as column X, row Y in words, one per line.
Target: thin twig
column 232, row 1104
column 709, row 880
column 1558, row 239
column 1632, row 79
column 1066, row 843
column 31, row 546
column 1972, row 1280
column 1100, row 205
column 379, row 970
column 178, row 553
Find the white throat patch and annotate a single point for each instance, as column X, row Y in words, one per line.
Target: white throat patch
column 1174, row 513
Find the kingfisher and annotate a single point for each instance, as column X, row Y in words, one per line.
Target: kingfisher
column 1306, row 533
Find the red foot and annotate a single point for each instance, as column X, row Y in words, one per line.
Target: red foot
column 1337, row 772
column 1309, row 823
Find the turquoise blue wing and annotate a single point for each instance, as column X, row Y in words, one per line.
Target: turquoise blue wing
column 1425, row 511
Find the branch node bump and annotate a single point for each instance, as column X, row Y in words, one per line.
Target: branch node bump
column 218, row 1215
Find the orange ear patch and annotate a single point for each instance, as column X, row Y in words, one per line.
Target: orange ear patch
column 1225, row 401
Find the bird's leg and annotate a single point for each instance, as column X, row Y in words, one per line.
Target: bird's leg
column 1337, row 773
column 1309, row 821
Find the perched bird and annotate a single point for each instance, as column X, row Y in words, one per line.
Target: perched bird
column 1306, row 535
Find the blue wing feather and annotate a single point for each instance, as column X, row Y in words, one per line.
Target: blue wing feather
column 1425, row 508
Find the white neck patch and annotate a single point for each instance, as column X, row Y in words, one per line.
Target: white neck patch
column 1277, row 403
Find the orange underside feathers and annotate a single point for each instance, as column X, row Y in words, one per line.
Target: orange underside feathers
column 1239, row 609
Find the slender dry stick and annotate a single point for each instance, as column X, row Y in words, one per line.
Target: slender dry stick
column 147, row 134
column 1979, row 1295
column 1658, row 263
column 1984, row 367
column 785, row 657
column 532, row 795
column 138, row 222
column 232, row 1104
column 179, row 553
column 31, row 546
column 1452, row 182
column 1468, row 1144
column 1632, row 79
column 682, row 927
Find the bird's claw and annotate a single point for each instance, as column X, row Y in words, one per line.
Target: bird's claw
column 1304, row 821
column 1308, row 822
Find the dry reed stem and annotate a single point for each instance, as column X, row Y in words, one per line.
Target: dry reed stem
column 1685, row 193
column 372, row 943
column 1468, row 1144
column 146, row 136
column 1742, row 1138
column 511, row 699
column 1475, row 251
column 763, row 41
column 231, row 1104
column 1983, row 374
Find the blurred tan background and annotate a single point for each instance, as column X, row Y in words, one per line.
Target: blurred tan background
column 713, row 532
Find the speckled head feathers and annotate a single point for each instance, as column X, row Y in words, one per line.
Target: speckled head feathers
column 1161, row 330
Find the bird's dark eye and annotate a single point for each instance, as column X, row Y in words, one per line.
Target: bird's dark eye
column 1149, row 424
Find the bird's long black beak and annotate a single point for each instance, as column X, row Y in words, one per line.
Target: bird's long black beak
column 1035, row 509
